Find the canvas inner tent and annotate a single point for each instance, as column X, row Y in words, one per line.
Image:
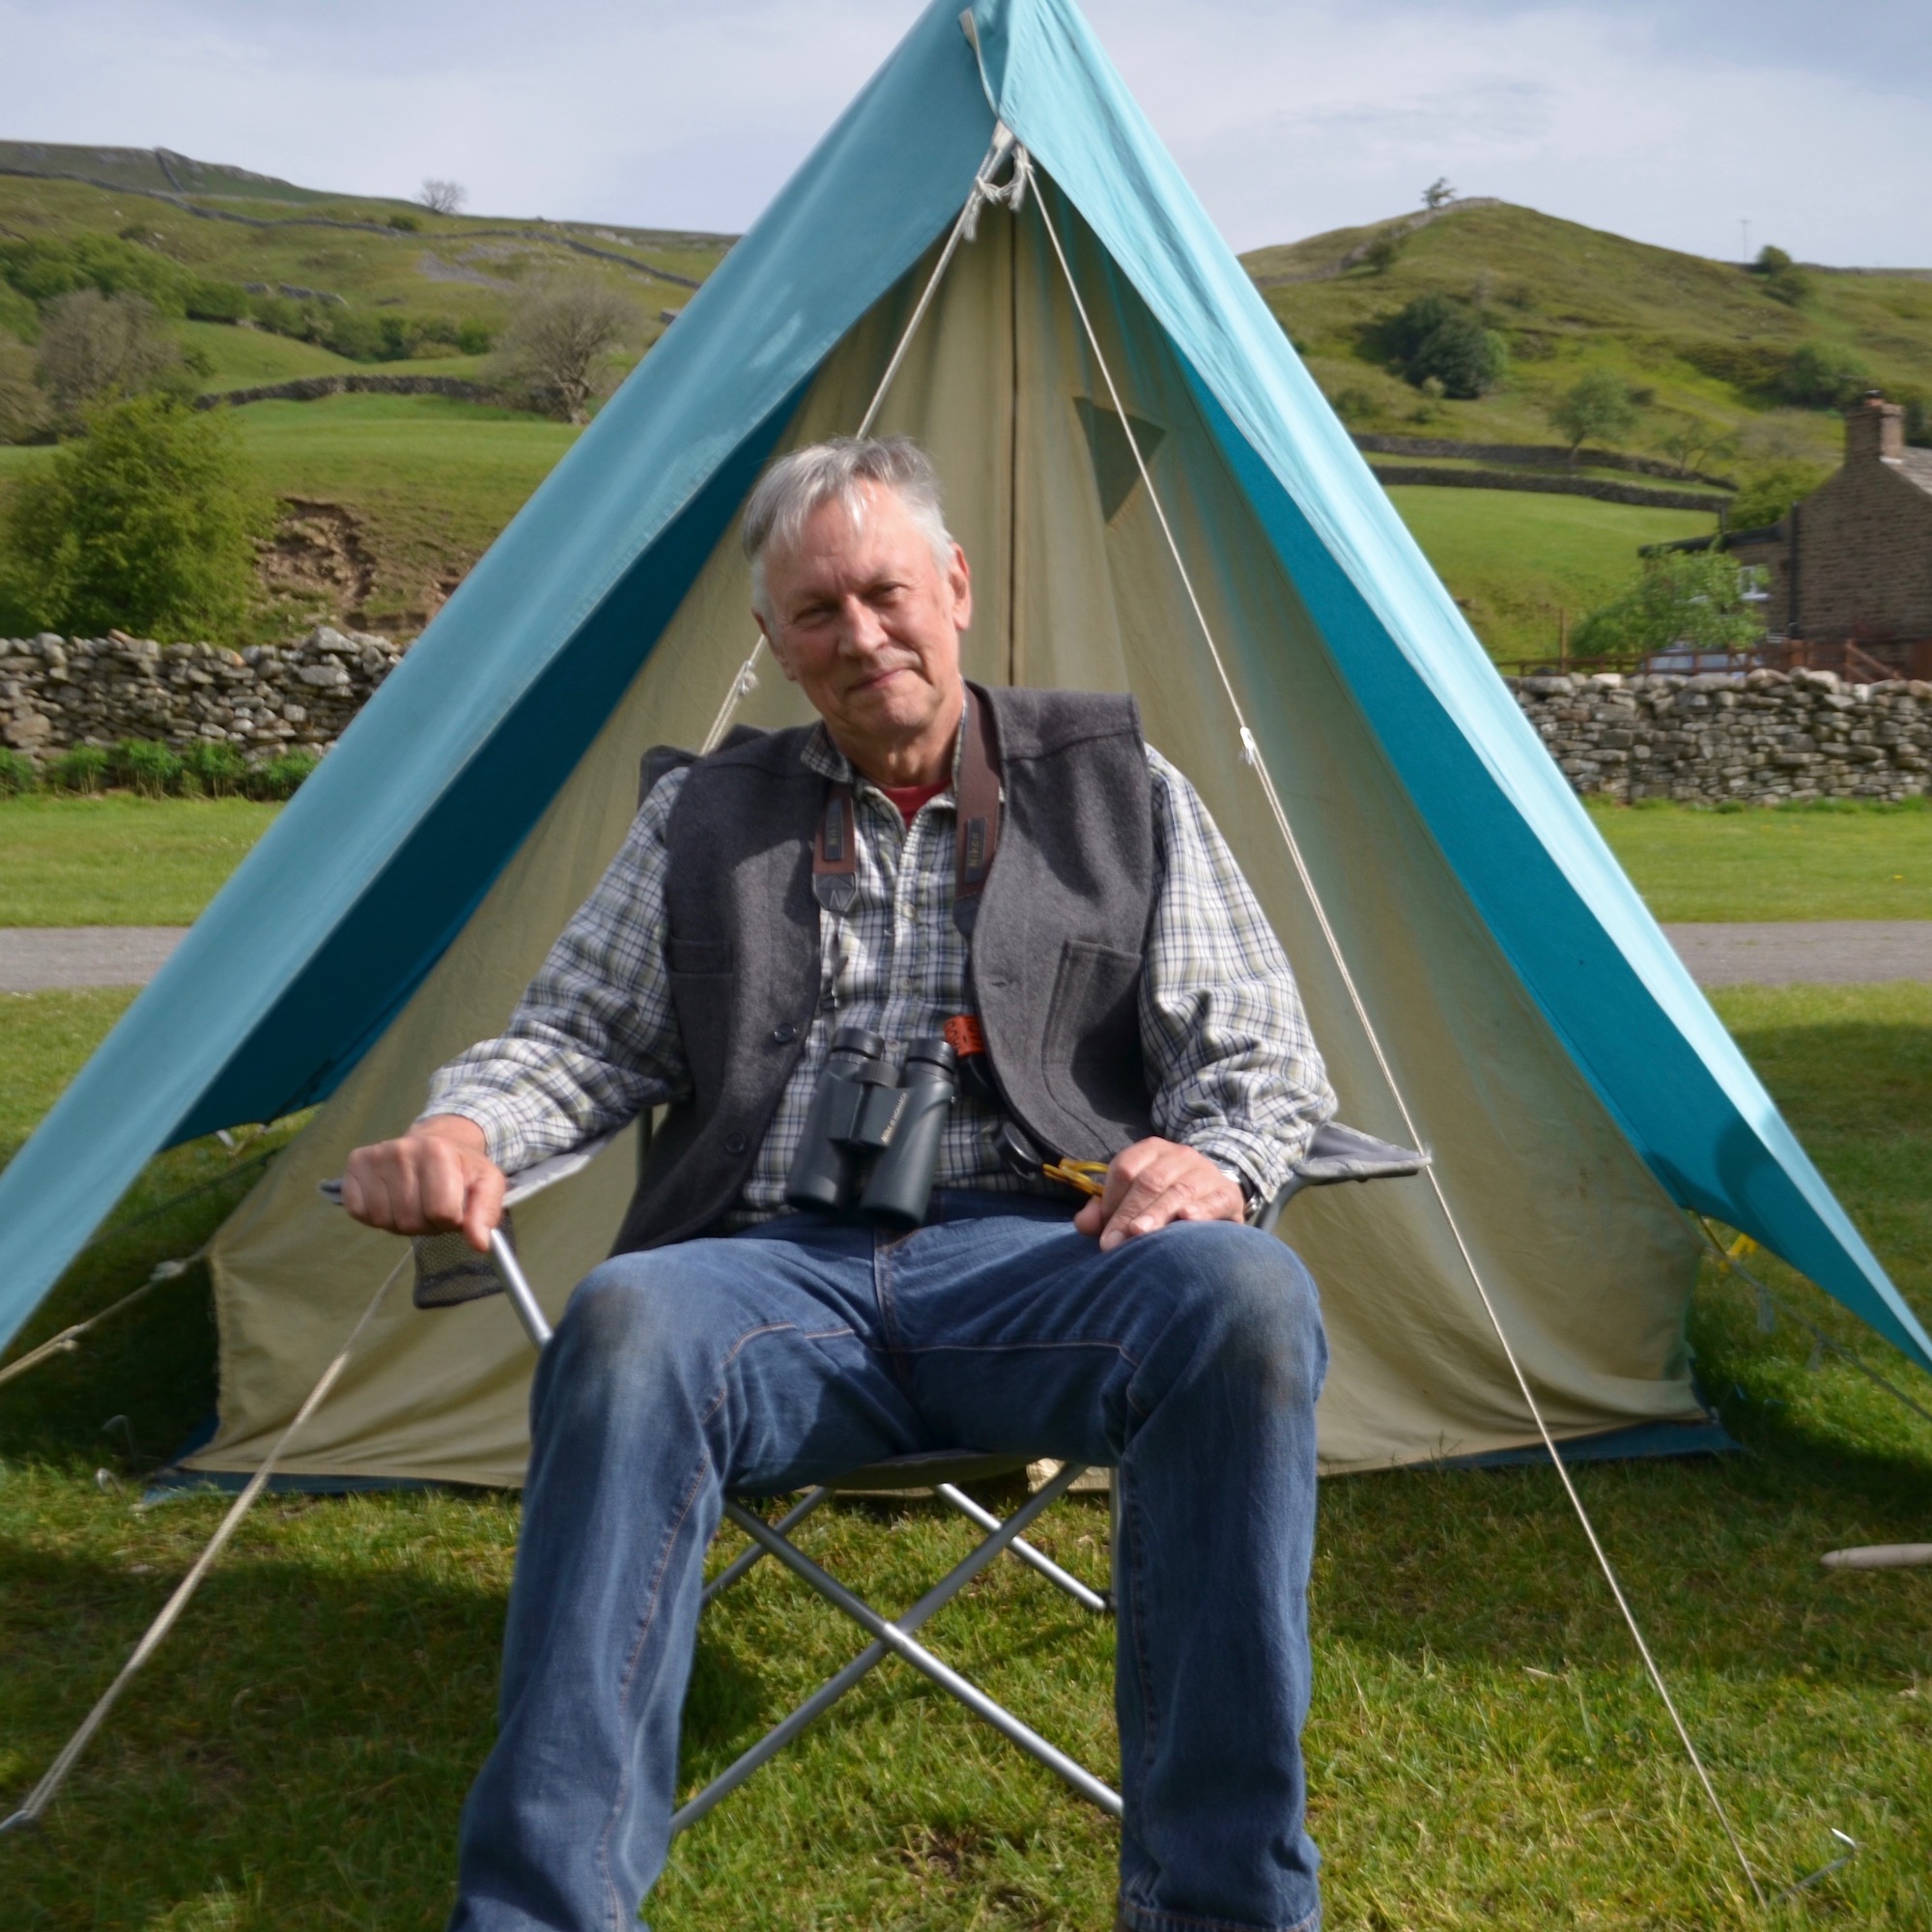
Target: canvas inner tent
column 1587, row 1260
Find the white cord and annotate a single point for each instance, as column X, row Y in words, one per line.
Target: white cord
column 43, row 1793
column 1250, row 754
column 983, row 190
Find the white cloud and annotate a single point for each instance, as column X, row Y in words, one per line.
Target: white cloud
column 1664, row 119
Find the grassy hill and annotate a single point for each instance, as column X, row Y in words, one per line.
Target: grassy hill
column 394, row 497
column 1700, row 342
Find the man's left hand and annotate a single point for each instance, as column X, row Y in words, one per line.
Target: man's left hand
column 1153, row 1182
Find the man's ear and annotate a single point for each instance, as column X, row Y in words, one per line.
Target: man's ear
column 960, row 579
column 772, row 644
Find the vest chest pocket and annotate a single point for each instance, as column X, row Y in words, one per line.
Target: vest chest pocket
column 703, row 991
column 1090, row 1049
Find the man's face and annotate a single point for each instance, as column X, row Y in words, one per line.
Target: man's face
column 865, row 621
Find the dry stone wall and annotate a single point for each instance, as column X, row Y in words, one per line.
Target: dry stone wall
column 56, row 693
column 1761, row 737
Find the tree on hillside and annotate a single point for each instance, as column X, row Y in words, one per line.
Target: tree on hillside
column 1691, row 442
column 146, row 523
column 95, row 348
column 558, row 346
column 443, row 197
column 1694, row 598
column 1437, row 338
column 1783, row 279
column 1438, row 193
column 1597, row 406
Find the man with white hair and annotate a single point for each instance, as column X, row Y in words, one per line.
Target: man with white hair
column 1020, row 864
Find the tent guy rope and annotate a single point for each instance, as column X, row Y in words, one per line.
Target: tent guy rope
column 1729, row 1260
column 1251, row 756
column 966, row 228
column 42, row 1794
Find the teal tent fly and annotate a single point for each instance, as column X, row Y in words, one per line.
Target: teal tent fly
column 1575, row 1089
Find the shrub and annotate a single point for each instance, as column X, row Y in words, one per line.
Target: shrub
column 147, row 522
column 96, row 348
column 472, row 338
column 1918, row 406
column 82, row 770
column 215, row 766
column 1819, row 378
column 1758, row 368
column 279, row 777
column 1434, row 336
column 16, row 773
column 1768, row 490
column 151, row 769
column 408, row 224
column 1783, row 279
column 1382, row 254
column 1680, row 597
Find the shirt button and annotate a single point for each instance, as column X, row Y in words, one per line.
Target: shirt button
column 784, row 1033
column 736, row 1142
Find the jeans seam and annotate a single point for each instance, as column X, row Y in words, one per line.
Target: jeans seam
column 1136, row 1613
column 644, row 1629
column 732, row 1353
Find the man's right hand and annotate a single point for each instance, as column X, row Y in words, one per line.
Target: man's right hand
column 436, row 1177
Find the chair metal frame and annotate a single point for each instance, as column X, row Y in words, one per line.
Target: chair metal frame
column 1337, row 1154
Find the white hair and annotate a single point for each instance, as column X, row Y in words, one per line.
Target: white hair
column 802, row 483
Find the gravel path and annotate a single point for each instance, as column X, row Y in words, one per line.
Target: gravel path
column 1823, row 952
column 37, row 959
column 1836, row 952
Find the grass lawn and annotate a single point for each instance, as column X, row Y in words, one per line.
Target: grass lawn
column 1796, row 863
column 1481, row 1749
column 120, row 860
column 1512, row 559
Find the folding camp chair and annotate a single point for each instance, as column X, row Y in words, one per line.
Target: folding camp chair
column 448, row 1271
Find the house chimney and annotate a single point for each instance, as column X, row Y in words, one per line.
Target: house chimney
column 1874, row 430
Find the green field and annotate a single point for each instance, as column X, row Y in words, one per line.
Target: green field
column 118, row 860
column 1482, row 1749
column 126, row 861
column 1512, row 560
column 1692, row 863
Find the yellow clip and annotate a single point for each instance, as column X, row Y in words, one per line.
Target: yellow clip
column 1090, row 1176
column 1744, row 1246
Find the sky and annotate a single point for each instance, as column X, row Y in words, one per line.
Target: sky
column 1671, row 120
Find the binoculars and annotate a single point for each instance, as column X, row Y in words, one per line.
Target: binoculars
column 871, row 1137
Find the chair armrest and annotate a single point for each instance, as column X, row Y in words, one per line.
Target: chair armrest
column 1338, row 1153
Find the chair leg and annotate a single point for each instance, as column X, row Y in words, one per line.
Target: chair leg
column 744, row 1560
column 1033, row 1559
column 893, row 1638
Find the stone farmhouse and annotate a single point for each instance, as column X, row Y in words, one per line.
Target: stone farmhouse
column 1849, row 570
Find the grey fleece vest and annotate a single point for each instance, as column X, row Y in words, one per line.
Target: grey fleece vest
column 1055, row 959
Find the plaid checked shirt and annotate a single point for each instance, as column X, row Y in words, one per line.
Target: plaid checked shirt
column 594, row 1040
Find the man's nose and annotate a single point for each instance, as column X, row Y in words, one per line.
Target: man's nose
column 858, row 625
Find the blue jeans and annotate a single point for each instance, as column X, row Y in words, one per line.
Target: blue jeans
column 1189, row 1359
